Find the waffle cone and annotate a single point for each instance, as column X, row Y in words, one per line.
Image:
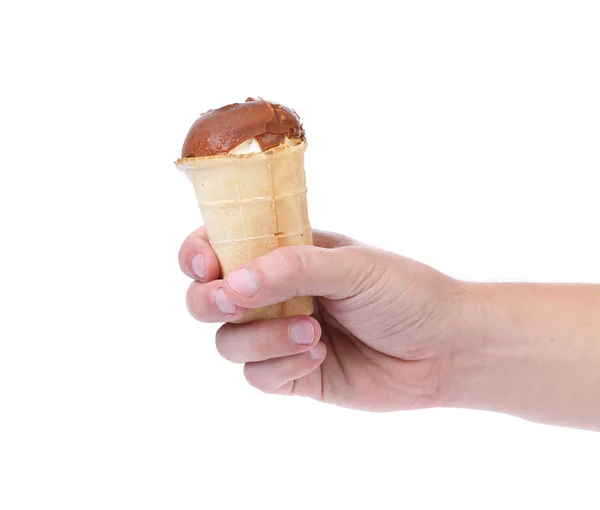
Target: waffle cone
column 252, row 204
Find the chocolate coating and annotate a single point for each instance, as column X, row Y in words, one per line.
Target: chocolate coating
column 218, row 131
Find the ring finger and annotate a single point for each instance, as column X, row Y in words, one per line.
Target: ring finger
column 259, row 341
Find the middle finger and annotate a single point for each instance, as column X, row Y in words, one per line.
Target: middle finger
column 208, row 303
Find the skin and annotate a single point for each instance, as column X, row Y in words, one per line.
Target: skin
column 389, row 333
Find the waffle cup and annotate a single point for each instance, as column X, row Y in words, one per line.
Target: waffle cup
column 252, row 204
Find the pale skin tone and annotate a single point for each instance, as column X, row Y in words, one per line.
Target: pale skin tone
column 390, row 333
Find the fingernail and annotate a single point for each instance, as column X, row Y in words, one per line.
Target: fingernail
column 302, row 332
column 223, row 303
column 243, row 282
column 318, row 351
column 198, row 265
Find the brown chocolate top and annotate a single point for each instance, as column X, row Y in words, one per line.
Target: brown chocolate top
column 219, row 131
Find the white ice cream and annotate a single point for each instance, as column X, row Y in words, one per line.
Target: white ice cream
column 251, row 146
column 248, row 147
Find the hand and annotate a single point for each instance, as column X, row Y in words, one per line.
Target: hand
column 381, row 339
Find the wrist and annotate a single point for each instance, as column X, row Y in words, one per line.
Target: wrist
column 531, row 350
column 486, row 364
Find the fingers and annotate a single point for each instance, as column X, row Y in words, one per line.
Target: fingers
column 301, row 271
column 325, row 239
column 197, row 259
column 276, row 352
column 278, row 375
column 207, row 302
column 260, row 341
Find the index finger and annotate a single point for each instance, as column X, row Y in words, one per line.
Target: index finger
column 326, row 239
column 197, row 259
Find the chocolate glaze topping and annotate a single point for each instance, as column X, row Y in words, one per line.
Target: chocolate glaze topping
column 218, row 131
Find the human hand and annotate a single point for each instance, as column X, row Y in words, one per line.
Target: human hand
column 381, row 338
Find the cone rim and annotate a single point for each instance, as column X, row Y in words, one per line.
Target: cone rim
column 280, row 148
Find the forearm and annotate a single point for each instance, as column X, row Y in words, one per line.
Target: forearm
column 532, row 350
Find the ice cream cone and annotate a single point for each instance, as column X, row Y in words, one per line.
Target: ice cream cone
column 252, row 204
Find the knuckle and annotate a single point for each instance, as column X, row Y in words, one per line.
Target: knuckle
column 221, row 343
column 268, row 339
column 226, row 346
column 287, row 389
column 184, row 251
column 295, row 263
column 362, row 275
column 324, row 258
column 261, row 378
column 285, row 367
column 290, row 259
column 256, row 342
column 199, row 302
column 191, row 299
column 253, row 378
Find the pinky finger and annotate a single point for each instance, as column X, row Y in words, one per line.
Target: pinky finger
column 277, row 375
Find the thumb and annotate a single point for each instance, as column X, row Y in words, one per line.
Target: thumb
column 291, row 271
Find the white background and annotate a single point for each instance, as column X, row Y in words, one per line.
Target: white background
column 462, row 134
